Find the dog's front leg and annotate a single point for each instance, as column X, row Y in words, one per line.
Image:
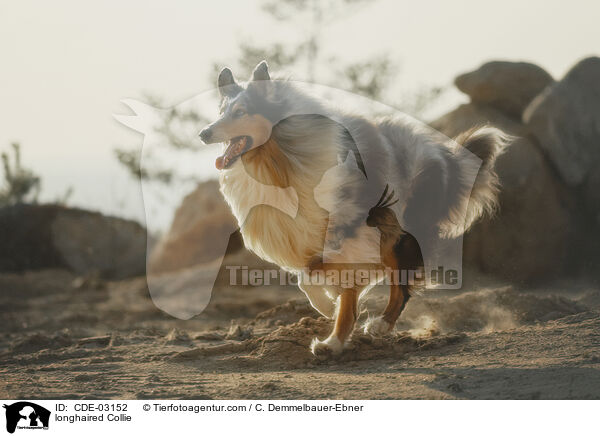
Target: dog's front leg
column 344, row 324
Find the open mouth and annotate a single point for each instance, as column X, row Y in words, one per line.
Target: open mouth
column 235, row 148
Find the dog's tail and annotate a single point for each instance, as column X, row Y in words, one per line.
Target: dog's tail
column 473, row 185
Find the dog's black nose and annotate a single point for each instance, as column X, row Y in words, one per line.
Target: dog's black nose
column 205, row 135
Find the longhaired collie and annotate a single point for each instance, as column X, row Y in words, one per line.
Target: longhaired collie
column 406, row 188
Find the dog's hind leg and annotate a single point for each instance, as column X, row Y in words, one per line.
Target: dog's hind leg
column 344, row 324
column 399, row 295
column 404, row 254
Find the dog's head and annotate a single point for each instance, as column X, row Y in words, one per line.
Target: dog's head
column 247, row 115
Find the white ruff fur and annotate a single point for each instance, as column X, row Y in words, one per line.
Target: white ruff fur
column 283, row 239
column 274, row 233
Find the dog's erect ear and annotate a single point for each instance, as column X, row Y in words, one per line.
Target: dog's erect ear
column 261, row 72
column 225, row 78
column 226, row 82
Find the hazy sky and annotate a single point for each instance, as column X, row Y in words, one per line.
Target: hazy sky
column 65, row 65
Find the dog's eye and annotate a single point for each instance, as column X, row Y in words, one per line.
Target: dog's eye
column 239, row 113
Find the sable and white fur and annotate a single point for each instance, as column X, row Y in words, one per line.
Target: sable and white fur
column 303, row 143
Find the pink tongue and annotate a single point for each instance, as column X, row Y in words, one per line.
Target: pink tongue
column 233, row 149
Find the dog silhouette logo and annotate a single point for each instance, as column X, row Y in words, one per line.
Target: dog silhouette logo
column 26, row 415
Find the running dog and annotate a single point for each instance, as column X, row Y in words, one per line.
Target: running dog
column 281, row 135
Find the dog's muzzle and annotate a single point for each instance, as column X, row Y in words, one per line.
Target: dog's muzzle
column 206, row 135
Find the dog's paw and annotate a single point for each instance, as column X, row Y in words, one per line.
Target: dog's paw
column 328, row 348
column 377, row 326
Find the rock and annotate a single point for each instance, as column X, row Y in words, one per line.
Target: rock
column 87, row 243
column 528, row 238
column 95, row 341
column 177, row 337
column 239, row 333
column 591, row 196
column 506, row 86
column 469, row 115
column 40, row 341
column 202, row 218
column 90, row 281
column 565, row 119
column 209, row 336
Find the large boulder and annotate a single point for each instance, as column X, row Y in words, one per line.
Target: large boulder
column 52, row 236
column 565, row 119
column 527, row 240
column 507, row 86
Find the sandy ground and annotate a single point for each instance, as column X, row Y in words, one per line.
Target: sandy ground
column 69, row 337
